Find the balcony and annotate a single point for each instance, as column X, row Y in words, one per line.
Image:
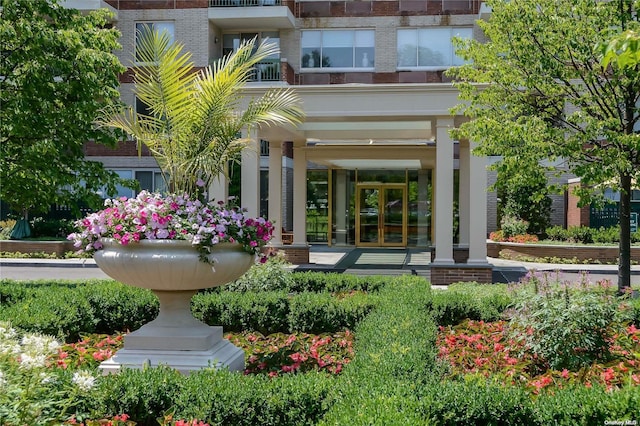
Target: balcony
column 268, row 70
column 251, row 14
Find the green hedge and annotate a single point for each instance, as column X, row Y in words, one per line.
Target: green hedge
column 469, row 300
column 394, row 379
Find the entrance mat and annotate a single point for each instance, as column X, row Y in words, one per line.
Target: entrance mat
column 380, row 258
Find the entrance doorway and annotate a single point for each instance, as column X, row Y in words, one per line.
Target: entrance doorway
column 381, row 219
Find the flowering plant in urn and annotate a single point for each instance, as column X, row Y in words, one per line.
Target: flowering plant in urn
column 177, row 243
column 152, row 217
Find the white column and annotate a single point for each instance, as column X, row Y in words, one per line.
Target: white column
column 219, row 189
column 341, row 209
column 463, row 195
column 250, row 180
column 299, row 196
column 275, row 190
column 424, row 203
column 478, row 201
column 444, row 192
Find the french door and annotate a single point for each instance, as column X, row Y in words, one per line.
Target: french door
column 381, row 218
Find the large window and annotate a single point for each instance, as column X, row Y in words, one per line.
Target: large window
column 150, row 180
column 143, row 28
column 269, row 68
column 346, row 49
column 429, row 47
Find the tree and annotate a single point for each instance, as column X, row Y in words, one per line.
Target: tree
column 195, row 118
column 523, row 189
column 538, row 90
column 57, row 72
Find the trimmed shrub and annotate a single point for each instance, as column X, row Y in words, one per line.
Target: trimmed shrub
column 512, row 226
column 557, row 233
column 320, row 281
column 60, row 312
column 580, row 234
column 119, row 307
column 480, row 302
column 321, row 312
column 270, row 276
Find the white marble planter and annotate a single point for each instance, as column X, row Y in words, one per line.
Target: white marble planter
column 174, row 272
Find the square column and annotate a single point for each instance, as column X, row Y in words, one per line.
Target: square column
column 444, row 192
column 464, row 203
column 478, row 199
column 298, row 252
column 250, row 182
column 219, row 189
column 275, row 191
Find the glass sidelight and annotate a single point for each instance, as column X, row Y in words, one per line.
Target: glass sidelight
column 381, row 218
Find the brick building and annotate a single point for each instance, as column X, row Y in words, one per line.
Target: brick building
column 373, row 165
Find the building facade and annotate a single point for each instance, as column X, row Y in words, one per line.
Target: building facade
column 373, row 164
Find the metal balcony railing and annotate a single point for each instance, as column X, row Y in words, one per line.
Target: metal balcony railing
column 244, row 3
column 267, row 71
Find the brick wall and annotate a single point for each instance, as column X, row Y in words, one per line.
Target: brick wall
column 123, row 149
column 317, row 9
column 58, row 248
column 602, row 253
column 295, row 255
column 445, row 275
column 576, row 216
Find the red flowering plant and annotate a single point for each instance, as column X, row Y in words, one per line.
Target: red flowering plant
column 479, row 348
column 152, row 216
column 298, row 352
column 88, row 352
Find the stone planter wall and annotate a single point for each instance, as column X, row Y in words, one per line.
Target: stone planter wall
column 58, row 248
column 580, row 252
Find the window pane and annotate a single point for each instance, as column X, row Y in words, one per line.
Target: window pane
column 145, row 179
column 311, row 39
column 365, row 57
column 273, row 38
column 434, row 47
column 365, row 39
column 337, row 39
column 158, row 183
column 460, row 33
column 407, row 48
column 341, row 57
column 121, row 191
column 165, row 26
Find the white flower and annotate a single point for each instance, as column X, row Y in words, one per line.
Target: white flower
column 38, row 344
column 6, row 332
column 84, row 380
column 9, row 348
column 28, row 361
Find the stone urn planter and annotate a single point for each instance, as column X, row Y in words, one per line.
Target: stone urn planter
column 172, row 270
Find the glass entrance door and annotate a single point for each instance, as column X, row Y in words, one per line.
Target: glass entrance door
column 381, row 219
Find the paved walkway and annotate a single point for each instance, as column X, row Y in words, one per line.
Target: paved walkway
column 330, row 259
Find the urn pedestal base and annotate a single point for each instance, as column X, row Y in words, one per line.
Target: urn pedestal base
column 223, row 355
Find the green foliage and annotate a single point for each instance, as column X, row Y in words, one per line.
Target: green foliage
column 195, row 115
column 58, row 71
column 512, row 226
column 524, row 194
column 68, row 309
column 534, row 96
column 272, row 312
column 315, row 313
column 481, row 302
column 566, row 325
column 580, row 234
column 394, row 356
column 270, row 276
column 61, row 312
column 557, row 233
column 320, row 281
column 59, row 228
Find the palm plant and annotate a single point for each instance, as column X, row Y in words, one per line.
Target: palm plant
column 194, row 118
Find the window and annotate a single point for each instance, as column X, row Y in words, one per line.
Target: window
column 269, row 68
column 147, row 27
column 429, row 47
column 338, row 49
column 150, row 180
